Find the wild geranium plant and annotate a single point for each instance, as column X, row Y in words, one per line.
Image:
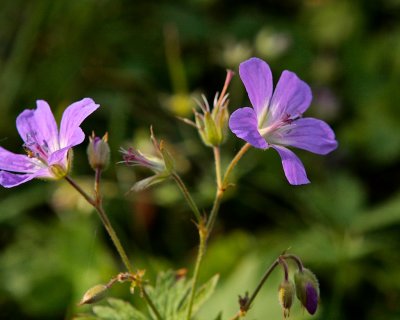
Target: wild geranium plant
column 274, row 121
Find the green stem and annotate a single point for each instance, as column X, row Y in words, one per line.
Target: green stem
column 187, row 196
column 97, row 204
column 247, row 306
column 217, row 159
column 233, row 163
column 88, row 198
column 219, row 193
column 205, row 231
column 200, row 254
column 280, row 260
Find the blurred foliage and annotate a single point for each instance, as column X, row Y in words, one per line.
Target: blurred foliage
column 143, row 61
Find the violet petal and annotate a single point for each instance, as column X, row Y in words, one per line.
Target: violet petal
column 311, row 299
column 10, row 161
column 292, row 166
column 9, row 180
column 59, row 157
column 257, row 78
column 292, row 97
column 243, row 123
column 70, row 132
column 39, row 127
column 47, row 125
column 310, row 134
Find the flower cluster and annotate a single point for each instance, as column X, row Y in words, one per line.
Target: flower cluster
column 275, row 120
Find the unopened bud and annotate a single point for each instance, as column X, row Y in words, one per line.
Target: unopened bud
column 286, row 296
column 307, row 289
column 212, row 126
column 94, row 294
column 98, row 152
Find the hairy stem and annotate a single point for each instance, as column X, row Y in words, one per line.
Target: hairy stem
column 202, row 249
column 187, row 196
column 206, row 230
column 233, row 164
column 217, row 160
column 260, row 284
column 97, row 204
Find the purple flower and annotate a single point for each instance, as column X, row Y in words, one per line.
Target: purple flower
column 276, row 118
column 47, row 148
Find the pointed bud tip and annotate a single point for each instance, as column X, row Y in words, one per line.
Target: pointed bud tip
column 94, row 294
column 98, row 151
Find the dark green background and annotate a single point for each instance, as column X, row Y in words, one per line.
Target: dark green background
column 143, row 61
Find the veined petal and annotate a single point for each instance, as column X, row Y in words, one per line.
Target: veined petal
column 39, row 128
column 9, row 180
column 310, row 134
column 257, row 78
column 70, row 132
column 292, row 97
column 243, row 123
column 59, row 157
column 292, row 166
column 10, row 161
column 47, row 125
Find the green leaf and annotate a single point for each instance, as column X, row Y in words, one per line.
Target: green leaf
column 118, row 310
column 203, row 294
column 171, row 295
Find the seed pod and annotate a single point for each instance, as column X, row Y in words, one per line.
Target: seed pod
column 94, row 294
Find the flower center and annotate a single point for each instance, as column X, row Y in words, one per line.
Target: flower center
column 34, row 149
column 287, row 119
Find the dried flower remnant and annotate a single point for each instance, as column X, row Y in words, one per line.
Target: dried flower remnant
column 48, row 149
column 162, row 165
column 286, row 296
column 276, row 118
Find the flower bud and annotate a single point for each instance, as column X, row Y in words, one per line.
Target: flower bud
column 286, row 295
column 307, row 289
column 94, row 294
column 212, row 126
column 98, row 152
